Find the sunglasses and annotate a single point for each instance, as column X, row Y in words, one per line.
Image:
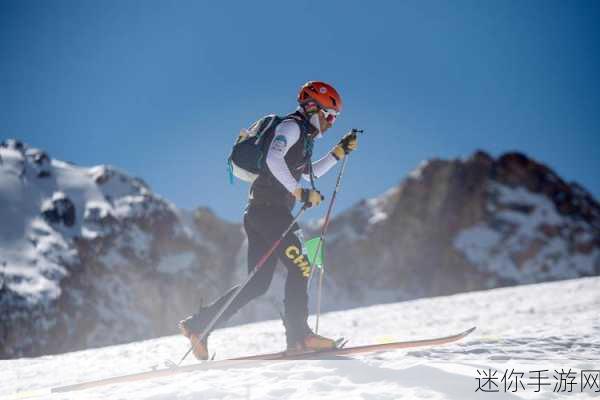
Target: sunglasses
column 330, row 115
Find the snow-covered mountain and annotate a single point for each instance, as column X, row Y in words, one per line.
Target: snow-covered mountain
column 550, row 327
column 91, row 256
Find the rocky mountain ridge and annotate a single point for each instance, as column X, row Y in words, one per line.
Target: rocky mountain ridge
column 461, row 225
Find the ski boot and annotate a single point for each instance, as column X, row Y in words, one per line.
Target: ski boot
column 311, row 342
column 191, row 329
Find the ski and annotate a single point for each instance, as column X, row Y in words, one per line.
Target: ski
column 279, row 356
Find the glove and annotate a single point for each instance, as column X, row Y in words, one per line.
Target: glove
column 348, row 143
column 309, row 197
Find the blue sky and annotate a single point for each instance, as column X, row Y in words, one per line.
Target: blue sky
column 161, row 89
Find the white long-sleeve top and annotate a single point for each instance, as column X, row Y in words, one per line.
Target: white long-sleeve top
column 286, row 135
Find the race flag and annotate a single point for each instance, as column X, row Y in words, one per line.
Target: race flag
column 311, row 252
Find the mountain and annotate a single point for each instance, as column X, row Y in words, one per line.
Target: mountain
column 519, row 329
column 459, row 225
column 91, row 256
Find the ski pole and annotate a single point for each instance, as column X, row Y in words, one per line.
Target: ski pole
column 258, row 266
column 321, row 241
column 323, row 230
column 330, row 208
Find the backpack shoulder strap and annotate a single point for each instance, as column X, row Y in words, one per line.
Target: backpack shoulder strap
column 307, row 133
column 266, row 124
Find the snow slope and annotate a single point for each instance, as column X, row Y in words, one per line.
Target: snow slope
column 549, row 326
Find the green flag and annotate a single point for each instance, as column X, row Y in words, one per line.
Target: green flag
column 311, row 249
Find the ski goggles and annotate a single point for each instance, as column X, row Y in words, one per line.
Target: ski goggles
column 330, row 115
column 312, row 107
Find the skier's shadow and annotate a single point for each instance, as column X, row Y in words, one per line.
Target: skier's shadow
column 419, row 377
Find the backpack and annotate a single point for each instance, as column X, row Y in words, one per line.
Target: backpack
column 247, row 158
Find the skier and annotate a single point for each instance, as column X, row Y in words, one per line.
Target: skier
column 269, row 212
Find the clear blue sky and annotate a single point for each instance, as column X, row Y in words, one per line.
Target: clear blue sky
column 161, row 89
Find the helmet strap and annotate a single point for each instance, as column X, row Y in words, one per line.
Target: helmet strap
column 314, row 121
column 311, row 109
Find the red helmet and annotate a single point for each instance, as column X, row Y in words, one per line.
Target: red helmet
column 322, row 93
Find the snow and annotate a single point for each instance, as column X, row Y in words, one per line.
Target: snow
column 176, row 263
column 113, row 259
column 544, row 326
column 355, row 223
column 32, row 285
column 138, row 241
column 518, row 218
column 95, row 213
column 377, row 206
column 34, row 249
column 417, row 173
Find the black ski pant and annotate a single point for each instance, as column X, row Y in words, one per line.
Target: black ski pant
column 264, row 224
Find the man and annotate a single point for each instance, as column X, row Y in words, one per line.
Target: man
column 269, row 213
